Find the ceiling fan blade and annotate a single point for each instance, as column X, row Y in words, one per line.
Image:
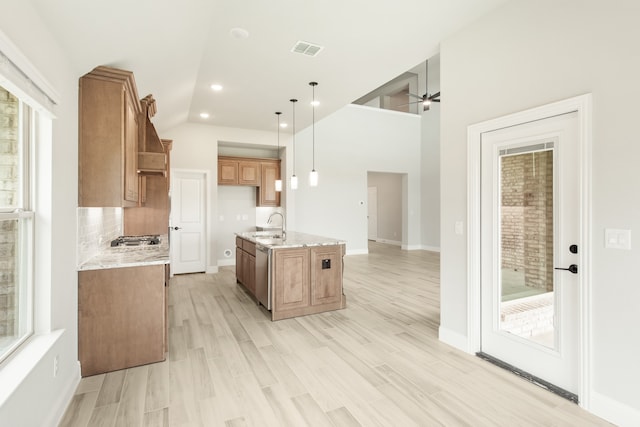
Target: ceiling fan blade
column 416, row 96
column 435, row 95
column 435, row 100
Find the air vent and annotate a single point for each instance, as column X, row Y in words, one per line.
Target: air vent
column 306, row 48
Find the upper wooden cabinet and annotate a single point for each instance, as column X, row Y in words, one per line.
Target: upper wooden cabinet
column 109, row 113
column 267, row 195
column 260, row 173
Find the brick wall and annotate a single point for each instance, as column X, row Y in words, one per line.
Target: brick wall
column 527, row 216
column 8, row 229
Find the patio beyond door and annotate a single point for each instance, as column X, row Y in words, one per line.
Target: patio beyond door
column 530, row 229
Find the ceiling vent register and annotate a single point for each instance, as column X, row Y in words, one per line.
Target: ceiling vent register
column 306, row 48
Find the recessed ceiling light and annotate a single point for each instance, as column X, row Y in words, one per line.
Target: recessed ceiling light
column 204, row 115
column 239, row 33
column 216, row 87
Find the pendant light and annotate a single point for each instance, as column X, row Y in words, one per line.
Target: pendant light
column 278, row 181
column 313, row 175
column 294, row 178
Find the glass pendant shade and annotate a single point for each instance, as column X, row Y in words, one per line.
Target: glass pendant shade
column 294, row 182
column 278, row 185
column 313, row 178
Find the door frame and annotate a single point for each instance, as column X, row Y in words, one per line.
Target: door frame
column 583, row 106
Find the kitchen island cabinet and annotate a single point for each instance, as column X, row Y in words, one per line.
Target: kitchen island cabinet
column 303, row 274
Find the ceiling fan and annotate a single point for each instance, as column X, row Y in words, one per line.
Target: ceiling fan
column 425, row 99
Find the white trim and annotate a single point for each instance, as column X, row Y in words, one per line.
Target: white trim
column 581, row 104
column 614, row 411
column 226, row 262
column 430, row 248
column 30, row 73
column 357, row 252
column 411, row 247
column 454, row 339
column 64, row 398
column 389, row 242
column 212, row 269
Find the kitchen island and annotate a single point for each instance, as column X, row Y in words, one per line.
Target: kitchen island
column 122, row 308
column 291, row 277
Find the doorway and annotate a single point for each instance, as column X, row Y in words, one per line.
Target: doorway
column 552, row 142
column 385, row 207
column 188, row 222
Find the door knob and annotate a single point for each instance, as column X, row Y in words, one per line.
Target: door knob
column 177, row 228
column 572, row 268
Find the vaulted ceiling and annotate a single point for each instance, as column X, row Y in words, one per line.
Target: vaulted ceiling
column 177, row 50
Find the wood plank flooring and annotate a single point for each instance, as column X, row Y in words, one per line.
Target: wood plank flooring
column 376, row 363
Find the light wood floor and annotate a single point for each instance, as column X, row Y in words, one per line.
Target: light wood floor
column 376, row 363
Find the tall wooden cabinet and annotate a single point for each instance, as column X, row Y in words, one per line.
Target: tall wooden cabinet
column 109, row 111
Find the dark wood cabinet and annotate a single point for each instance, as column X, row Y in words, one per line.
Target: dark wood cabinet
column 255, row 172
column 108, row 139
column 121, row 318
column 246, row 264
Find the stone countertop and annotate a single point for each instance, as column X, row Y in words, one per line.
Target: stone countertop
column 129, row 256
column 271, row 239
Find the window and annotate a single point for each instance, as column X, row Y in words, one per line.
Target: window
column 17, row 131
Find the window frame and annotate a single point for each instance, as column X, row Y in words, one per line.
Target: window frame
column 25, row 214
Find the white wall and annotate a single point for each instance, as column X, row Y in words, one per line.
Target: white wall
column 526, row 54
column 430, row 158
column 350, row 142
column 39, row 399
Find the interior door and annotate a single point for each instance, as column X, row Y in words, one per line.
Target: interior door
column 188, row 222
column 529, row 237
column 372, row 213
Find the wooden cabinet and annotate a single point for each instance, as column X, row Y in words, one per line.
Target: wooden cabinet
column 306, row 281
column 259, row 173
column 246, row 264
column 227, row 171
column 108, row 139
column 121, row 318
column 266, row 195
column 291, row 281
column 248, row 173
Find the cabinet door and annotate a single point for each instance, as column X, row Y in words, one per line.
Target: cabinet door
column 248, row 173
column 130, row 151
column 227, row 172
column 250, row 273
column 291, row 279
column 267, row 194
column 326, row 275
column 239, row 265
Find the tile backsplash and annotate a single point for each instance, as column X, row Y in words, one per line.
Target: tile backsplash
column 97, row 227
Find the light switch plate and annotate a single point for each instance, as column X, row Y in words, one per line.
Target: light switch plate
column 459, row 227
column 617, row 239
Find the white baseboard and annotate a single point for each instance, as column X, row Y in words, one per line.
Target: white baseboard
column 613, row 411
column 454, row 339
column 411, row 247
column 389, row 242
column 225, row 262
column 65, row 397
column 430, row 248
column 357, row 252
column 212, row 269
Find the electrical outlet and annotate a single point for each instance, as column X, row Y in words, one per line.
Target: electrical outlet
column 55, row 366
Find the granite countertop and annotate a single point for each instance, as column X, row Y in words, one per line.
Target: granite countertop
column 129, row 256
column 268, row 239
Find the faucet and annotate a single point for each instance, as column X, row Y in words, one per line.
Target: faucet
column 284, row 231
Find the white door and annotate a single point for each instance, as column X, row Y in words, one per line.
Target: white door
column 188, row 222
column 372, row 212
column 530, row 222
